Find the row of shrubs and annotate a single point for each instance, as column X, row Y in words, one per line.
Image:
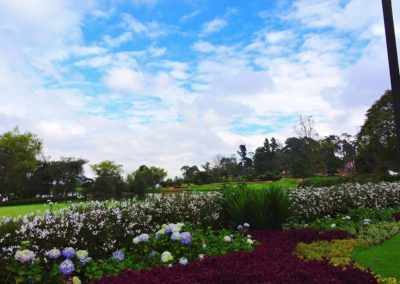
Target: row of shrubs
column 322, row 181
column 317, row 202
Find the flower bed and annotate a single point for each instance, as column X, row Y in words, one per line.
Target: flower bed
column 171, row 244
column 310, row 203
column 100, row 227
column 372, row 225
column 271, row 261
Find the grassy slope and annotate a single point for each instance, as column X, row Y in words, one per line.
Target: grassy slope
column 383, row 259
column 13, row 211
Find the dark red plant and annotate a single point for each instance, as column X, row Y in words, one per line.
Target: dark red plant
column 272, row 261
column 311, row 235
column 396, row 216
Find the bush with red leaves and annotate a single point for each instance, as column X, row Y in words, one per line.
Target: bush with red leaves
column 310, row 235
column 272, row 261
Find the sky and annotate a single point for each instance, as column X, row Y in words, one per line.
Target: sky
column 175, row 82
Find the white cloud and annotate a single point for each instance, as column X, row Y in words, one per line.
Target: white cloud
column 189, row 16
column 117, row 41
column 124, row 79
column 151, row 29
column 213, row 26
column 353, row 15
column 143, row 111
column 157, row 51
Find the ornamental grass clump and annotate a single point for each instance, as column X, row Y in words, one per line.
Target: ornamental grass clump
column 266, row 208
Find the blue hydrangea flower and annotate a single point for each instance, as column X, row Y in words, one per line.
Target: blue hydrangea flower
column 53, row 254
column 186, row 239
column 169, row 228
column 246, row 225
column 144, row 237
column 152, row 253
column 67, row 267
column 24, row 255
column 68, row 252
column 240, row 227
column 175, row 236
column 118, row 255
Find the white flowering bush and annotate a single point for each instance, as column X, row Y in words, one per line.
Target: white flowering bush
column 310, row 202
column 99, row 227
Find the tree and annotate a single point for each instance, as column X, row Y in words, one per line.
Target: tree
column 246, row 163
column 266, row 160
column 108, row 178
column 299, row 164
column 189, row 173
column 145, row 177
column 329, row 149
column 305, row 128
column 225, row 167
column 376, row 141
column 18, row 159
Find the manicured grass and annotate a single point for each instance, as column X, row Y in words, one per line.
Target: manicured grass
column 19, row 210
column 283, row 183
column 383, row 259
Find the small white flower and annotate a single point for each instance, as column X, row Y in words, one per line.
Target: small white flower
column 183, row 261
column 333, row 225
column 250, row 241
column 136, row 240
column 166, row 256
column 201, row 256
column 227, row 239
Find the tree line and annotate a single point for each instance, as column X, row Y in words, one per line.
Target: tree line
column 26, row 172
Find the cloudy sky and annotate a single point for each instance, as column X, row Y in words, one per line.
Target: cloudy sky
column 175, row 82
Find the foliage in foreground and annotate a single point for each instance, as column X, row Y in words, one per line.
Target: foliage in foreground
column 100, row 227
column 272, row 260
column 171, row 244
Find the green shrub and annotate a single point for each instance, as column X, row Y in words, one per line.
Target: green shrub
column 372, row 225
column 379, row 232
column 364, row 178
column 323, row 181
column 39, row 200
column 268, row 207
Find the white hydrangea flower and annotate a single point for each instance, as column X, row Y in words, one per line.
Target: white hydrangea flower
column 227, row 239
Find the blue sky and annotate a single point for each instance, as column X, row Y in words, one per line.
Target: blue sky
column 176, row 82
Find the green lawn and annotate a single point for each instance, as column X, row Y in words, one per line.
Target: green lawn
column 284, row 183
column 19, row 210
column 383, row 259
